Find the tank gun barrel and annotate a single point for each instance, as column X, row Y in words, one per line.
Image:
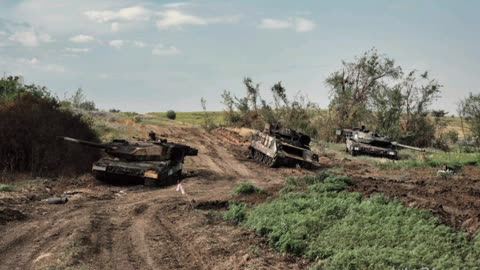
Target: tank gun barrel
column 82, row 142
column 408, row 147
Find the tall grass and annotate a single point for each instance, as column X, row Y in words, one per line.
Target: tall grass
column 315, row 218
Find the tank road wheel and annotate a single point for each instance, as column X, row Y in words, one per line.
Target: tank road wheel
column 273, row 163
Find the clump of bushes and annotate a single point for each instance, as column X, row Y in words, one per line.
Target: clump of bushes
column 30, row 120
column 316, row 218
column 171, row 115
column 245, row 189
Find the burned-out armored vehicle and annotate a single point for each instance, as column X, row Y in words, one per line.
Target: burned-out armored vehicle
column 361, row 141
column 277, row 146
column 153, row 162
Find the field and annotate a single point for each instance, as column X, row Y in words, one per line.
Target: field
column 351, row 213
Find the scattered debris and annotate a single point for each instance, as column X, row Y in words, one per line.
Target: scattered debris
column 71, row 192
column 57, row 200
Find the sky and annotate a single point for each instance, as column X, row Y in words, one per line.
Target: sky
column 149, row 56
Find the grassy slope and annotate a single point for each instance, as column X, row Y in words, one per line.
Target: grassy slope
column 314, row 218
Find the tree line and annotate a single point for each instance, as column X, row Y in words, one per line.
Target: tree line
column 370, row 90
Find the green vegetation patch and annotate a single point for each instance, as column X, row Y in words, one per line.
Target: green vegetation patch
column 246, row 188
column 316, row 218
column 236, row 212
column 453, row 160
column 6, row 188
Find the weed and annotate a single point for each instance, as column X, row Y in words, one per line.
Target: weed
column 6, row 188
column 236, row 213
column 246, row 188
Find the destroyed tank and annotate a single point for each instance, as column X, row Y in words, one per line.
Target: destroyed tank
column 361, row 141
column 277, row 146
column 153, row 162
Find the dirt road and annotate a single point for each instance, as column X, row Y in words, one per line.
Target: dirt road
column 134, row 227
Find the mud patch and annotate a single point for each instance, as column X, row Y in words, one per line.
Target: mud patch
column 8, row 214
column 211, row 205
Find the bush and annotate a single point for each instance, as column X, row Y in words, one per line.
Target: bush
column 245, row 189
column 236, row 213
column 343, row 230
column 28, row 128
column 171, row 115
column 6, row 188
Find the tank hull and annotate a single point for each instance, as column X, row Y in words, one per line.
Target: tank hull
column 274, row 152
column 356, row 148
column 155, row 173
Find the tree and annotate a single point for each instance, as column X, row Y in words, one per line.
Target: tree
column 470, row 111
column 171, row 115
column 388, row 107
column 353, row 86
column 419, row 92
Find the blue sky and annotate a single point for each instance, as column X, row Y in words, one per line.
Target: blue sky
column 158, row 55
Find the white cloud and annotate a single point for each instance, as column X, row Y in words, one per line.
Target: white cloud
column 30, row 38
column 135, row 13
column 32, row 61
column 304, row 25
column 77, row 50
column 175, row 18
column 115, row 27
column 81, row 38
column 176, row 5
column 298, row 24
column 36, row 64
column 161, row 50
column 139, row 44
column 3, row 33
column 117, row 43
column 274, row 24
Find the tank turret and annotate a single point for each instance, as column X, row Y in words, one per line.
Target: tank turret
column 154, row 161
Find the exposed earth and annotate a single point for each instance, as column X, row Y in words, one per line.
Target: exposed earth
column 136, row 227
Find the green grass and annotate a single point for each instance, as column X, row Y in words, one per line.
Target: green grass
column 245, row 189
column 6, row 188
column 438, row 159
column 193, row 118
column 315, row 218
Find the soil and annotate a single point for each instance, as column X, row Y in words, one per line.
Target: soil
column 136, row 227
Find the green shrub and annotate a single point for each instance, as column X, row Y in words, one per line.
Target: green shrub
column 236, row 213
column 171, row 115
column 6, row 188
column 342, row 230
column 245, row 189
